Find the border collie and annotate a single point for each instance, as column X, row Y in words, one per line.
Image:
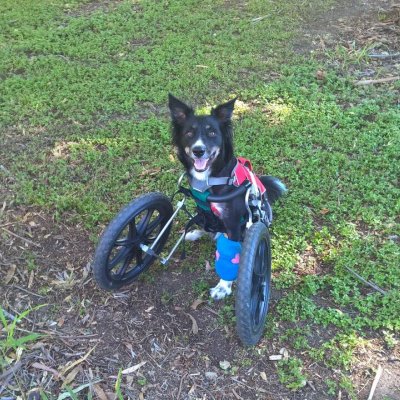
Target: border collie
column 205, row 148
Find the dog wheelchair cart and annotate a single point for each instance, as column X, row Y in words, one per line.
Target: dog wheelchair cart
column 136, row 236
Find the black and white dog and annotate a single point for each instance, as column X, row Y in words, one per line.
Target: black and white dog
column 205, row 147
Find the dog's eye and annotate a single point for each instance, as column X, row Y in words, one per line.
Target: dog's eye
column 211, row 134
column 189, row 134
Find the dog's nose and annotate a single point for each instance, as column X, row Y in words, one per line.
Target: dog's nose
column 199, row 151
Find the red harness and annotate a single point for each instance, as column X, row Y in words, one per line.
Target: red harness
column 244, row 172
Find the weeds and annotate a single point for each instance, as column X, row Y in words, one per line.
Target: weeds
column 290, row 373
column 11, row 340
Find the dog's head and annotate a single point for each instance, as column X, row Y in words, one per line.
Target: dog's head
column 204, row 143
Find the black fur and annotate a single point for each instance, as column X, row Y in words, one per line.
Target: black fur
column 214, row 131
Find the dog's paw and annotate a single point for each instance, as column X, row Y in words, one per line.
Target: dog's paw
column 194, row 235
column 223, row 289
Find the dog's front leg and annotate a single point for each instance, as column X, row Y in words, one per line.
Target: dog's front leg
column 227, row 259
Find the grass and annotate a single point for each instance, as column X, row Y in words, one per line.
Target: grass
column 11, row 340
column 84, row 95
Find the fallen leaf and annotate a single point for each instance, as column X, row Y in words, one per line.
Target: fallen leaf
column 129, row 381
column 71, row 376
column 212, row 376
column 320, row 75
column 19, row 353
column 56, row 374
column 208, row 266
column 86, row 270
column 224, row 365
column 195, row 327
column 10, row 274
column 31, row 276
column 133, row 369
column 263, row 376
column 324, row 211
column 150, row 172
column 68, row 367
column 196, row 303
column 192, row 389
column 284, row 353
column 99, row 392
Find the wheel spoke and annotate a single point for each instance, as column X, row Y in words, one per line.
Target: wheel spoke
column 139, row 256
column 118, row 258
column 124, row 242
column 153, row 225
column 132, row 229
column 130, row 238
column 125, row 266
column 142, row 228
column 259, row 261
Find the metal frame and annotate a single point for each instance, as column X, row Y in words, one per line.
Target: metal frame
column 254, row 202
column 150, row 250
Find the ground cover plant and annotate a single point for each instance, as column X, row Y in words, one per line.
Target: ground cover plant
column 84, row 128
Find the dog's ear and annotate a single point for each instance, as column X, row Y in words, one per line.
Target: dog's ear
column 179, row 110
column 224, row 111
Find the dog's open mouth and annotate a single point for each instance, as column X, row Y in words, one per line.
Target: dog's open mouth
column 202, row 164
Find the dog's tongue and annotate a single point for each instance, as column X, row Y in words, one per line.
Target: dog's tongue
column 200, row 163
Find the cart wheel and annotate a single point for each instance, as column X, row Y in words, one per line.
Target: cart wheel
column 253, row 284
column 118, row 259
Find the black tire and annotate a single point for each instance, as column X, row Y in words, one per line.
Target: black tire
column 253, row 284
column 139, row 222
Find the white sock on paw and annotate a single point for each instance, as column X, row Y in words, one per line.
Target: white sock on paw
column 194, row 235
column 223, row 289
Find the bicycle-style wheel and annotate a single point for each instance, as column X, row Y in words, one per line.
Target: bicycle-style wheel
column 253, row 284
column 119, row 259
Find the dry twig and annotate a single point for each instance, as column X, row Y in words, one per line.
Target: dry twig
column 373, row 81
column 20, row 237
column 368, row 283
column 375, row 383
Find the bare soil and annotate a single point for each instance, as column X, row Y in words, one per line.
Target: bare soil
column 88, row 335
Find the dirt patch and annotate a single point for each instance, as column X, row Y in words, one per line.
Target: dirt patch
column 340, row 23
column 174, row 348
column 363, row 39
column 94, row 6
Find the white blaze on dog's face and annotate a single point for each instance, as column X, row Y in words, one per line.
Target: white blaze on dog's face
column 200, row 140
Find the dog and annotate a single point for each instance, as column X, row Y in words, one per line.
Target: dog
column 204, row 146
